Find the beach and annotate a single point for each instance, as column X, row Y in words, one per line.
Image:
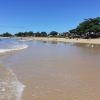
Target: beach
column 53, row 39
column 76, row 40
column 49, row 50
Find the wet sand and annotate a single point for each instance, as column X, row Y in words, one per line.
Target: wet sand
column 57, row 71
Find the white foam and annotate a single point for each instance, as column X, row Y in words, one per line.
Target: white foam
column 18, row 86
column 19, row 89
column 14, row 48
column 10, row 87
column 15, row 92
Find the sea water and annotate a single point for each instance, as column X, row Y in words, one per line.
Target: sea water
column 7, row 45
column 10, row 87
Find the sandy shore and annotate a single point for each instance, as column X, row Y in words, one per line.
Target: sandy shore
column 52, row 72
column 90, row 41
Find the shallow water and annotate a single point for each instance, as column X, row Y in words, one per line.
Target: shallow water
column 10, row 87
column 56, row 71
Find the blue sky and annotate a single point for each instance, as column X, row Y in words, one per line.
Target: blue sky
column 45, row 15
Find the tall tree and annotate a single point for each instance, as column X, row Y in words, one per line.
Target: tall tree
column 43, row 34
column 91, row 25
column 53, row 33
column 6, row 34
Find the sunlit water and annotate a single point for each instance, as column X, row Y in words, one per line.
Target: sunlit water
column 10, row 87
column 7, row 45
column 51, row 71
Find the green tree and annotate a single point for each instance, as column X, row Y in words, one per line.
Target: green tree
column 28, row 34
column 37, row 34
column 6, row 34
column 90, row 26
column 53, row 33
column 24, row 34
column 20, row 34
column 43, row 34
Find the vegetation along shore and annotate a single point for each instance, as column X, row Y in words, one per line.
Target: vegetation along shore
column 87, row 31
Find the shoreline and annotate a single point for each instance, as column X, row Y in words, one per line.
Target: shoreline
column 66, row 40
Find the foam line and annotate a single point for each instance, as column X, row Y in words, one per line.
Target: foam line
column 16, row 47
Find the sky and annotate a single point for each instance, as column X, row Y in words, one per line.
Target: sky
column 45, row 15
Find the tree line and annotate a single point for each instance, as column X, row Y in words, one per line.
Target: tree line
column 33, row 34
column 89, row 28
